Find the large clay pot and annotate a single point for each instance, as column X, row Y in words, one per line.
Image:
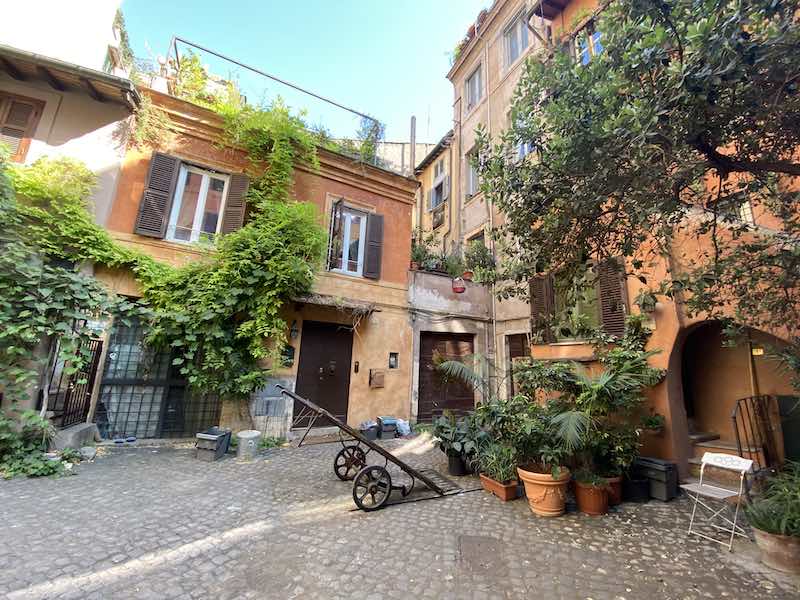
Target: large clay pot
column 614, row 490
column 591, row 499
column 504, row 491
column 546, row 494
column 781, row 552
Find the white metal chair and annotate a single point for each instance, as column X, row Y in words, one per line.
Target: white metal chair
column 699, row 490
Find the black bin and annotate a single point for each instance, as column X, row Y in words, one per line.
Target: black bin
column 212, row 444
column 662, row 474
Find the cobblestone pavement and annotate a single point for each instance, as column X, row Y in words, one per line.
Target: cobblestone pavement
column 156, row 523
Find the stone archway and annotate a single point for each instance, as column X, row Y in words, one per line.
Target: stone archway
column 707, row 375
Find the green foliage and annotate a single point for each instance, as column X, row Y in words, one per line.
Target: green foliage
column 272, row 442
column 192, row 81
column 452, row 435
column 498, row 462
column 777, row 509
column 422, row 250
column 219, row 317
column 151, row 126
column 478, row 259
column 691, row 110
column 654, row 422
column 126, row 53
column 23, row 444
column 43, row 295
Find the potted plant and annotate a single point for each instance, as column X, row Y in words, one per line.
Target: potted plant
column 479, row 262
column 545, row 480
column 591, row 493
column 497, row 464
column 616, row 447
column 452, row 438
column 420, row 253
column 775, row 518
column 654, row 423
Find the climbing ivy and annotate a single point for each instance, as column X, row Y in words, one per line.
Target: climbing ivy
column 219, row 317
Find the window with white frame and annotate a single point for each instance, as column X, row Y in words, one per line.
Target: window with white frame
column 515, row 39
column 438, row 169
column 348, row 241
column 474, row 88
column 197, row 206
column 438, row 193
column 473, row 181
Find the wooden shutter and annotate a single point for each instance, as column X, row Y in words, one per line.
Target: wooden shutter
column 18, row 120
column 613, row 294
column 543, row 302
column 159, row 190
column 374, row 249
column 235, row 203
column 446, row 188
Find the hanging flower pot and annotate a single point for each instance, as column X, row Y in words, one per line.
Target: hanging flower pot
column 458, row 285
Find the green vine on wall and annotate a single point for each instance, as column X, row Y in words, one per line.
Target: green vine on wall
column 219, row 317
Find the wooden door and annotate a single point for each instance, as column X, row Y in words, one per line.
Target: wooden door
column 436, row 395
column 323, row 373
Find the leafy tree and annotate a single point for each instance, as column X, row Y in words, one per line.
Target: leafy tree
column 691, row 111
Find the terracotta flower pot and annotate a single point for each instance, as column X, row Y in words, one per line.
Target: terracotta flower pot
column 467, row 275
column 592, row 499
column 614, row 490
column 781, row 552
column 504, row 491
column 546, row 494
column 414, row 266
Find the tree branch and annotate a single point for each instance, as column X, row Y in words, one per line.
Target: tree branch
column 727, row 164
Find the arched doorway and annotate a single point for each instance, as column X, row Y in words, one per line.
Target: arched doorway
column 716, row 372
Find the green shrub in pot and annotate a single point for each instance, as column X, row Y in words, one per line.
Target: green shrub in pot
column 498, row 461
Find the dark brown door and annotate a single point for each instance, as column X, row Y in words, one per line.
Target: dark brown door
column 323, row 374
column 435, row 394
column 517, row 348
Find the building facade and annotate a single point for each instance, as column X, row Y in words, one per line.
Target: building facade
column 348, row 343
column 705, row 376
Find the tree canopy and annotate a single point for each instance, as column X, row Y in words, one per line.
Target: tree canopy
column 687, row 120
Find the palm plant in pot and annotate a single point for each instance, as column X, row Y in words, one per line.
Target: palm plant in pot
column 775, row 518
column 497, row 464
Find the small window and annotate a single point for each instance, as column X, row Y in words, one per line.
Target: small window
column 438, row 169
column 515, row 39
column 437, row 195
column 19, row 117
column 197, row 207
column 474, row 89
column 347, row 242
column 522, row 147
column 473, row 181
column 394, row 360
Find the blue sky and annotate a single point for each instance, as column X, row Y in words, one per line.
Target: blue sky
column 387, row 58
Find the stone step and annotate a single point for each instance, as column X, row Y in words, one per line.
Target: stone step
column 726, row 447
column 703, row 436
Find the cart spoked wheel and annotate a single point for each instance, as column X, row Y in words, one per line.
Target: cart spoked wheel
column 349, row 461
column 372, row 487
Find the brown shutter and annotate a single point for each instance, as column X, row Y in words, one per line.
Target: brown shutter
column 613, row 294
column 374, row 249
column 159, row 190
column 235, row 203
column 18, row 119
column 543, row 301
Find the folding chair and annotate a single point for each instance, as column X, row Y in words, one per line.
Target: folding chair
column 699, row 490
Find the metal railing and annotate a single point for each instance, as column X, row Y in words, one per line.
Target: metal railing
column 754, row 424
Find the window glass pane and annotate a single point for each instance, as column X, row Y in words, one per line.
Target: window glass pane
column 597, row 46
column 523, row 33
column 216, row 187
column 189, row 199
column 513, row 45
column 354, row 243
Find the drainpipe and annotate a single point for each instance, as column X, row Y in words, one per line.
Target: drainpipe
column 490, row 210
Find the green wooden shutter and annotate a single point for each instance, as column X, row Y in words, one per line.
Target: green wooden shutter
column 613, row 295
column 235, row 203
column 542, row 298
column 159, row 191
column 374, row 249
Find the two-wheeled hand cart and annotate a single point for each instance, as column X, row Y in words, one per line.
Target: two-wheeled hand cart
column 372, row 484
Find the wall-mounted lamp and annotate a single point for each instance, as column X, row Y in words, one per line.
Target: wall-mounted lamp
column 294, row 331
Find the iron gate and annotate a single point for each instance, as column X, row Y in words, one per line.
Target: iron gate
column 69, row 396
column 142, row 395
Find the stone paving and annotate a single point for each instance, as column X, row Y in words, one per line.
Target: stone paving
column 156, row 523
